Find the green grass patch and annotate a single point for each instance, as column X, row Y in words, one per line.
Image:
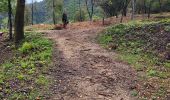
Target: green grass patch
column 22, row 77
column 142, row 44
column 137, row 42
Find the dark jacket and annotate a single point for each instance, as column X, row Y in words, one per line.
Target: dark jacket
column 64, row 18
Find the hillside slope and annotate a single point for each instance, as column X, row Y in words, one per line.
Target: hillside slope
column 146, row 46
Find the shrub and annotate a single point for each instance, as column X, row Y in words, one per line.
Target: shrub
column 41, row 80
column 152, row 73
column 167, row 28
column 82, row 17
column 26, row 47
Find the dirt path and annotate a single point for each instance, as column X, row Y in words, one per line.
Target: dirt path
column 85, row 71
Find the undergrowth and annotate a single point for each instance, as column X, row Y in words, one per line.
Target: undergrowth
column 25, row 76
column 143, row 44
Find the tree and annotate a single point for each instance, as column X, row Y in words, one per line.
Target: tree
column 113, row 7
column 10, row 19
column 125, row 6
column 19, row 21
column 90, row 11
column 80, row 10
column 133, row 9
column 32, row 8
column 149, row 7
column 54, row 12
column 160, row 5
column 54, row 8
column 3, row 6
column 28, row 15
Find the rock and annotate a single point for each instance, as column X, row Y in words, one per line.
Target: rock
column 1, row 33
column 37, row 98
column 1, row 89
column 168, row 91
column 113, row 46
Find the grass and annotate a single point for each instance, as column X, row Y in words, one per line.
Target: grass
column 23, row 78
column 138, row 43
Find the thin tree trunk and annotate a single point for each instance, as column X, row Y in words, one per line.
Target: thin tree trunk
column 92, row 10
column 90, row 13
column 74, row 10
column 133, row 9
column 80, row 10
column 54, row 13
column 32, row 12
column 10, row 19
column 19, row 21
column 121, row 20
column 103, row 21
column 145, row 6
column 149, row 9
column 160, row 6
column 125, row 8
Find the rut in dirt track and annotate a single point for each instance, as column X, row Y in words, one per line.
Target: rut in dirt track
column 85, row 71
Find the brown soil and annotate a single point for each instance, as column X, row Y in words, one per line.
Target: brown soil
column 85, row 71
column 6, row 52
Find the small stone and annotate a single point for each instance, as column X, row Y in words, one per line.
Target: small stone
column 1, row 89
column 121, row 99
column 168, row 91
column 37, row 98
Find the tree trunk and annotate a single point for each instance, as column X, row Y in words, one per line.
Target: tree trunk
column 74, row 10
column 103, row 21
column 149, row 9
column 121, row 20
column 125, row 8
column 10, row 19
column 54, row 13
column 19, row 20
column 92, row 9
column 90, row 13
column 160, row 6
column 133, row 9
column 80, row 10
column 32, row 12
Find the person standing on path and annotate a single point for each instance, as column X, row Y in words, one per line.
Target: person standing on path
column 65, row 20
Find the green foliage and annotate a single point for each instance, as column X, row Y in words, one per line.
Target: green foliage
column 152, row 73
column 96, row 18
column 20, row 77
column 167, row 28
column 3, row 5
column 155, row 6
column 41, row 80
column 140, row 44
column 26, row 47
column 167, row 64
column 80, row 16
column 134, row 93
column 26, row 68
column 105, row 39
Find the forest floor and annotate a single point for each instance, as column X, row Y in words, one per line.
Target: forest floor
column 86, row 71
column 82, row 68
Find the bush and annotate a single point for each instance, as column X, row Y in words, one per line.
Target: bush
column 82, row 17
column 167, row 28
column 96, row 18
column 26, row 47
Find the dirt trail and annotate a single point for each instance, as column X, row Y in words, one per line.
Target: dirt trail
column 85, row 71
